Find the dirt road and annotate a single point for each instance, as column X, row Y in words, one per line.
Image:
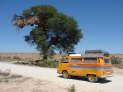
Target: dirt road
column 56, row 82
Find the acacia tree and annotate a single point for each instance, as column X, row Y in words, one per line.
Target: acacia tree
column 51, row 30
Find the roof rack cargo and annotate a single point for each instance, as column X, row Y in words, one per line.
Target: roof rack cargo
column 105, row 53
column 75, row 55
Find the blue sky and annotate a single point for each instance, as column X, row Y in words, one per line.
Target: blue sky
column 101, row 22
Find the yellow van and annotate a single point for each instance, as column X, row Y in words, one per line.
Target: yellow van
column 93, row 65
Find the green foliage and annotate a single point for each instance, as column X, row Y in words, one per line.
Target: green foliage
column 116, row 60
column 46, row 63
column 40, row 10
column 53, row 31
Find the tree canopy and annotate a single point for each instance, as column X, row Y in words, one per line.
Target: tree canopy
column 51, row 30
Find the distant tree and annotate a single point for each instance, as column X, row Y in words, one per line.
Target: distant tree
column 52, row 31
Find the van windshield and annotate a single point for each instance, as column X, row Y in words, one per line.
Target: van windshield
column 107, row 61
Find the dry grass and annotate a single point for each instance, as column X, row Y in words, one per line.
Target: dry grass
column 118, row 55
column 121, row 57
column 118, row 65
column 32, row 58
column 37, row 55
column 29, row 59
column 21, row 55
column 25, row 56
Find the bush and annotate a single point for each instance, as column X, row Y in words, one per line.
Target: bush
column 50, row 64
column 116, row 60
column 0, row 58
column 17, row 58
column 72, row 89
column 5, row 58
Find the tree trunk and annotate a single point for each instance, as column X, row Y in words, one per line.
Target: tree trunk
column 45, row 57
column 45, row 53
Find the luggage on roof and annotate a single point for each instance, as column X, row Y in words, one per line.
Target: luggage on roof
column 96, row 52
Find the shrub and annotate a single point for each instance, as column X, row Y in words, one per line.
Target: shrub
column 17, row 58
column 6, row 58
column 0, row 58
column 50, row 64
column 72, row 89
column 116, row 60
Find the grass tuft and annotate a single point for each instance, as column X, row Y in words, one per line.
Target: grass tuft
column 72, row 89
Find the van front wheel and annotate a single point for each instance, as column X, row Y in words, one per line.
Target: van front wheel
column 65, row 74
column 92, row 78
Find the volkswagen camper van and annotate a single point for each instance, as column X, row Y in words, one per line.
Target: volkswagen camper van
column 94, row 64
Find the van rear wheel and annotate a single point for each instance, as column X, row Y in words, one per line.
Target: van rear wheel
column 65, row 74
column 92, row 78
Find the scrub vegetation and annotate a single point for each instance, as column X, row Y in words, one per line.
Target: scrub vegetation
column 117, row 61
column 72, row 89
column 51, row 62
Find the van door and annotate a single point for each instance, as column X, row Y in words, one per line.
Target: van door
column 63, row 65
column 74, row 66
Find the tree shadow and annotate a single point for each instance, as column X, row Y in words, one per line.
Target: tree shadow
column 100, row 81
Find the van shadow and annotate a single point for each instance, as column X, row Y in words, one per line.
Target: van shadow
column 101, row 81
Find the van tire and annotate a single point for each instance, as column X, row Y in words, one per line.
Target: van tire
column 65, row 75
column 92, row 78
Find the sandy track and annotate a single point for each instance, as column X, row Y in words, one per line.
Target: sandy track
column 112, row 84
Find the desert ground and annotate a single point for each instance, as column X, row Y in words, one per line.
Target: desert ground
column 21, row 78
column 35, row 56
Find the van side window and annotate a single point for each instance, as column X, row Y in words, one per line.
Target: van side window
column 76, row 60
column 65, row 60
column 90, row 60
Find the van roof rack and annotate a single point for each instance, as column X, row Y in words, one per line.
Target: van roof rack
column 105, row 53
